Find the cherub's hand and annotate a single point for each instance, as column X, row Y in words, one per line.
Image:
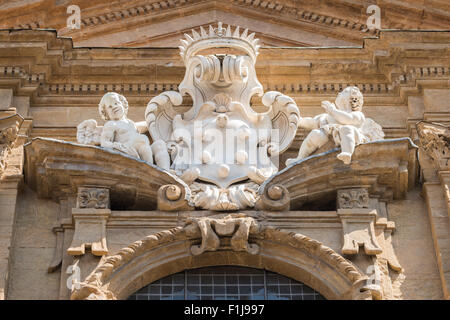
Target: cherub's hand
column 328, row 106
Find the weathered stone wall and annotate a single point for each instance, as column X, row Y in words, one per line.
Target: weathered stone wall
column 32, row 249
column 413, row 245
column 34, row 243
column 404, row 79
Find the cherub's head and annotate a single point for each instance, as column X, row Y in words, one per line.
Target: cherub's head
column 113, row 106
column 350, row 99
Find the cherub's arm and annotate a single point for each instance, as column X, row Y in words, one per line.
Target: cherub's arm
column 141, row 126
column 107, row 138
column 308, row 123
column 355, row 118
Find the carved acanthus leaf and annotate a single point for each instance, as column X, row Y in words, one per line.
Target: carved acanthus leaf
column 97, row 198
column 434, row 139
column 9, row 129
column 210, row 197
column 353, row 198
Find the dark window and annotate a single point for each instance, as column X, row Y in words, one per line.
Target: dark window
column 226, row 283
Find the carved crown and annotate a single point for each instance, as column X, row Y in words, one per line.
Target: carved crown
column 219, row 37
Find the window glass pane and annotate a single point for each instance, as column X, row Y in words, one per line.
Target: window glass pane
column 226, row 283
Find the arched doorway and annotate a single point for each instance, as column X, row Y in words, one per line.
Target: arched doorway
column 226, row 283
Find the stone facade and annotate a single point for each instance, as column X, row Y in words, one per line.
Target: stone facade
column 374, row 225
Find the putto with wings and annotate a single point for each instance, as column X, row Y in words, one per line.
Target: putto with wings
column 220, row 147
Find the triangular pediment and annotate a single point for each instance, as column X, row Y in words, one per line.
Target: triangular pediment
column 160, row 23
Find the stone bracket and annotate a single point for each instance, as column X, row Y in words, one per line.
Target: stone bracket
column 90, row 219
column 274, row 198
column 358, row 227
column 90, row 231
column 56, row 262
column 172, row 198
column 238, row 226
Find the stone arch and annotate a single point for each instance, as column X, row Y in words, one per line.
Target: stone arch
column 156, row 256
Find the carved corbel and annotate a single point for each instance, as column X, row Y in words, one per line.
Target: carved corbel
column 358, row 221
column 238, row 226
column 172, row 198
column 90, row 219
column 274, row 198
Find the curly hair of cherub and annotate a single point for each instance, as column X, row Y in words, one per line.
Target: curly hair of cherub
column 343, row 100
column 103, row 103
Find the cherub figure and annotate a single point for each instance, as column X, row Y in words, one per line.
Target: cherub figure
column 119, row 132
column 343, row 122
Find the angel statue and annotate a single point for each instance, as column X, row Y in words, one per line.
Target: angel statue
column 119, row 132
column 343, row 122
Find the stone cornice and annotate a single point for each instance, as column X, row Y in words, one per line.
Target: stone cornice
column 390, row 173
column 47, row 159
column 388, row 66
column 137, row 14
column 347, row 19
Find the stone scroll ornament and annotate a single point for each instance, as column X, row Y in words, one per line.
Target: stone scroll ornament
column 237, row 226
column 343, row 123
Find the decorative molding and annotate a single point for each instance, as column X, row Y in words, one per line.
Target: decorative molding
column 97, row 284
column 156, row 88
column 358, row 228
column 238, row 226
column 353, row 198
column 19, row 72
column 102, row 88
column 416, row 73
column 172, row 198
column 93, row 198
column 237, row 197
column 274, row 198
column 307, row 16
column 267, row 7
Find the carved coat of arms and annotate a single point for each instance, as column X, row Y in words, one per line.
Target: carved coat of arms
column 221, row 147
